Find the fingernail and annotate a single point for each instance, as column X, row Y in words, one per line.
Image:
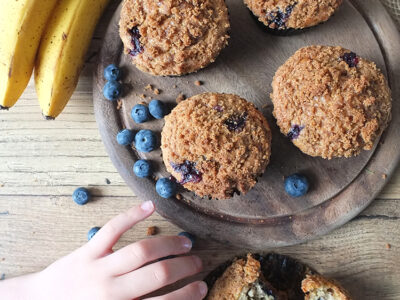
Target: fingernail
column 203, row 288
column 186, row 243
column 198, row 262
column 147, row 206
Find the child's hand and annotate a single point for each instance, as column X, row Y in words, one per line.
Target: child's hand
column 95, row 272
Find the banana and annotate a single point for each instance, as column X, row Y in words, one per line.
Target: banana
column 62, row 50
column 21, row 26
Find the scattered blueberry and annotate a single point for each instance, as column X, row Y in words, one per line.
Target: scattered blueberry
column 140, row 113
column 145, row 140
column 112, row 72
column 142, row 168
column 295, row 132
column 188, row 171
column 92, row 232
column 81, row 196
column 137, row 47
column 125, row 137
column 351, row 59
column 236, row 122
column 112, row 90
column 157, row 109
column 279, row 18
column 165, row 188
column 190, row 236
column 296, row 185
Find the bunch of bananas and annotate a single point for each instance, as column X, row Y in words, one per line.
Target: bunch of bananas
column 50, row 37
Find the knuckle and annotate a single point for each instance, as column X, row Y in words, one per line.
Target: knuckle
column 162, row 273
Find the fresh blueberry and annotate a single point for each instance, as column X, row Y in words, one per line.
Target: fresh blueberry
column 145, row 140
column 296, row 185
column 190, row 236
column 188, row 171
column 142, row 168
column 157, row 109
column 112, row 90
column 81, row 196
column 125, row 137
column 92, row 232
column 165, row 187
column 140, row 113
column 112, row 72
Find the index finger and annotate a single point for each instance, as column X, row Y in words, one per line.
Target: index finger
column 110, row 233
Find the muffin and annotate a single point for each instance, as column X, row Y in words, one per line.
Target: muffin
column 283, row 16
column 316, row 287
column 173, row 37
column 243, row 280
column 216, row 144
column 330, row 102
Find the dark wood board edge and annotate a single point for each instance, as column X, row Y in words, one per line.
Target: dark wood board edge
column 280, row 231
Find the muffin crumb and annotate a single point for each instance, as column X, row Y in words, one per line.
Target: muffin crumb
column 198, row 83
column 152, row 230
column 180, row 98
column 388, row 246
column 157, row 91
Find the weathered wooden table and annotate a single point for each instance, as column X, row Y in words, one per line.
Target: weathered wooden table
column 42, row 162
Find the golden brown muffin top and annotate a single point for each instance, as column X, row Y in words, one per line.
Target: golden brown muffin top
column 330, row 102
column 173, row 37
column 216, row 144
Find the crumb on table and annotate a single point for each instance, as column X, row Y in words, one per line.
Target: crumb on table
column 119, row 104
column 388, row 246
column 179, row 196
column 198, row 83
column 180, row 98
column 157, row 91
column 142, row 96
column 148, row 87
column 384, row 176
column 152, row 230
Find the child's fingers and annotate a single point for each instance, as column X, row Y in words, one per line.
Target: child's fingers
column 194, row 291
column 155, row 276
column 110, row 233
column 138, row 254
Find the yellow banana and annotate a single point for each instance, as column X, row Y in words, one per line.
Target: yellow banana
column 21, row 26
column 62, row 50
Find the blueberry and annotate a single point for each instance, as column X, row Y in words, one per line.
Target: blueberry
column 296, row 185
column 81, row 196
column 294, row 132
column 125, row 137
column 165, row 187
column 112, row 72
column 278, row 18
column 145, row 141
column 142, row 168
column 112, row 90
column 157, row 109
column 351, row 59
column 236, row 122
column 190, row 236
column 137, row 47
column 188, row 171
column 140, row 113
column 92, row 232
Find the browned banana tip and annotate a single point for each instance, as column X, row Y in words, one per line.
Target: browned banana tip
column 48, row 117
column 4, row 108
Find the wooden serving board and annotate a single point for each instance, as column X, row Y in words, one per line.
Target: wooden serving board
column 266, row 216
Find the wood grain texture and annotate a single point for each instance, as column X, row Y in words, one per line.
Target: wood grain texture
column 39, row 221
column 266, row 216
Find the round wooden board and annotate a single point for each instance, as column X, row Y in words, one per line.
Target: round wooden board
column 266, row 216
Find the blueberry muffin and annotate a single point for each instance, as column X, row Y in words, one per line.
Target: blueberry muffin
column 173, row 37
column 243, row 280
column 287, row 15
column 330, row 102
column 216, row 144
column 316, row 287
